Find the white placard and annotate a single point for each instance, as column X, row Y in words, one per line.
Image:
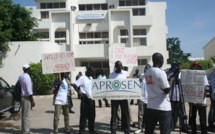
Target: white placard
column 90, row 16
column 193, row 85
column 128, row 56
column 115, row 89
column 58, row 62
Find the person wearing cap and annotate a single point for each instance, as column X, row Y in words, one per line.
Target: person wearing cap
column 27, row 100
column 102, row 76
column 201, row 108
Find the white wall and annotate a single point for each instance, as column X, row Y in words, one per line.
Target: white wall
column 209, row 49
column 24, row 53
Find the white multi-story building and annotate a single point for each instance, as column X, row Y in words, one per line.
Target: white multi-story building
column 90, row 27
column 209, row 49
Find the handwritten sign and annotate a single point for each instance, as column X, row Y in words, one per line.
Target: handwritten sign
column 193, row 85
column 128, row 56
column 116, row 89
column 58, row 62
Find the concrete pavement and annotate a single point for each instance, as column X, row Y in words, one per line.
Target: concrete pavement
column 43, row 112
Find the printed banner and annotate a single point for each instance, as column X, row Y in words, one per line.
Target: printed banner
column 116, row 89
column 193, row 85
column 58, row 62
column 128, row 56
column 90, row 16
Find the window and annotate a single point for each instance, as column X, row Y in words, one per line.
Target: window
column 123, row 32
column 97, row 7
column 52, row 5
column 140, row 41
column 131, row 2
column 49, row 5
column 97, row 35
column 44, row 15
column 139, row 31
column 121, row 3
column 82, row 35
column 45, row 35
column 123, row 40
column 89, row 7
column 81, row 7
column 142, row 61
column 104, row 6
column 93, row 7
column 43, row 5
column 56, row 5
column 105, row 35
column 139, row 11
column 60, row 41
column 89, row 35
column 62, row 5
column 142, row 2
column 60, row 34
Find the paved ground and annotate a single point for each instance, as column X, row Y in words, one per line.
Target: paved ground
column 42, row 119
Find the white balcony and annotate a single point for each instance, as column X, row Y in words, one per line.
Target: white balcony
column 91, row 50
column 145, row 50
column 142, row 20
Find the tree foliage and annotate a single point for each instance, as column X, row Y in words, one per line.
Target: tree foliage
column 175, row 52
column 41, row 82
column 213, row 58
column 205, row 64
column 16, row 24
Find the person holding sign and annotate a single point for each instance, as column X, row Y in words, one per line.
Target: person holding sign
column 158, row 88
column 200, row 107
column 62, row 96
column 88, row 111
column 119, row 73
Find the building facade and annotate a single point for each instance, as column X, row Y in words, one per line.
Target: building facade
column 90, row 27
column 209, row 49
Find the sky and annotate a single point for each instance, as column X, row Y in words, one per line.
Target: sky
column 192, row 21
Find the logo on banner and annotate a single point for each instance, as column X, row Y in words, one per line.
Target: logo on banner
column 116, row 86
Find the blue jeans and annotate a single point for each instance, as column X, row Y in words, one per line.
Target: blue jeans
column 211, row 114
column 153, row 116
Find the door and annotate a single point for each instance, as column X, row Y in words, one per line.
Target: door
column 6, row 92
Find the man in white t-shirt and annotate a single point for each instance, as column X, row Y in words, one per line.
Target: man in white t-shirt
column 201, row 108
column 158, row 87
column 118, row 73
column 88, row 111
column 142, row 103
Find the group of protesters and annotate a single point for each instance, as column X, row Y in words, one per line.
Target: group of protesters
column 158, row 102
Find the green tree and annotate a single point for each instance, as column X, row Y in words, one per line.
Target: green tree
column 41, row 82
column 175, row 52
column 213, row 58
column 16, row 24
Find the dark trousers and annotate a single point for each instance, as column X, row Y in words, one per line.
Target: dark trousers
column 87, row 113
column 106, row 103
column 211, row 114
column 153, row 116
column 125, row 115
column 202, row 118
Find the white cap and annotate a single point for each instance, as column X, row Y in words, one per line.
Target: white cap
column 26, row 66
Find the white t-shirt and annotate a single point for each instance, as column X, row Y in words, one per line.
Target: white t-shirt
column 122, row 75
column 156, row 81
column 85, row 84
column 26, row 84
column 61, row 98
column 144, row 98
